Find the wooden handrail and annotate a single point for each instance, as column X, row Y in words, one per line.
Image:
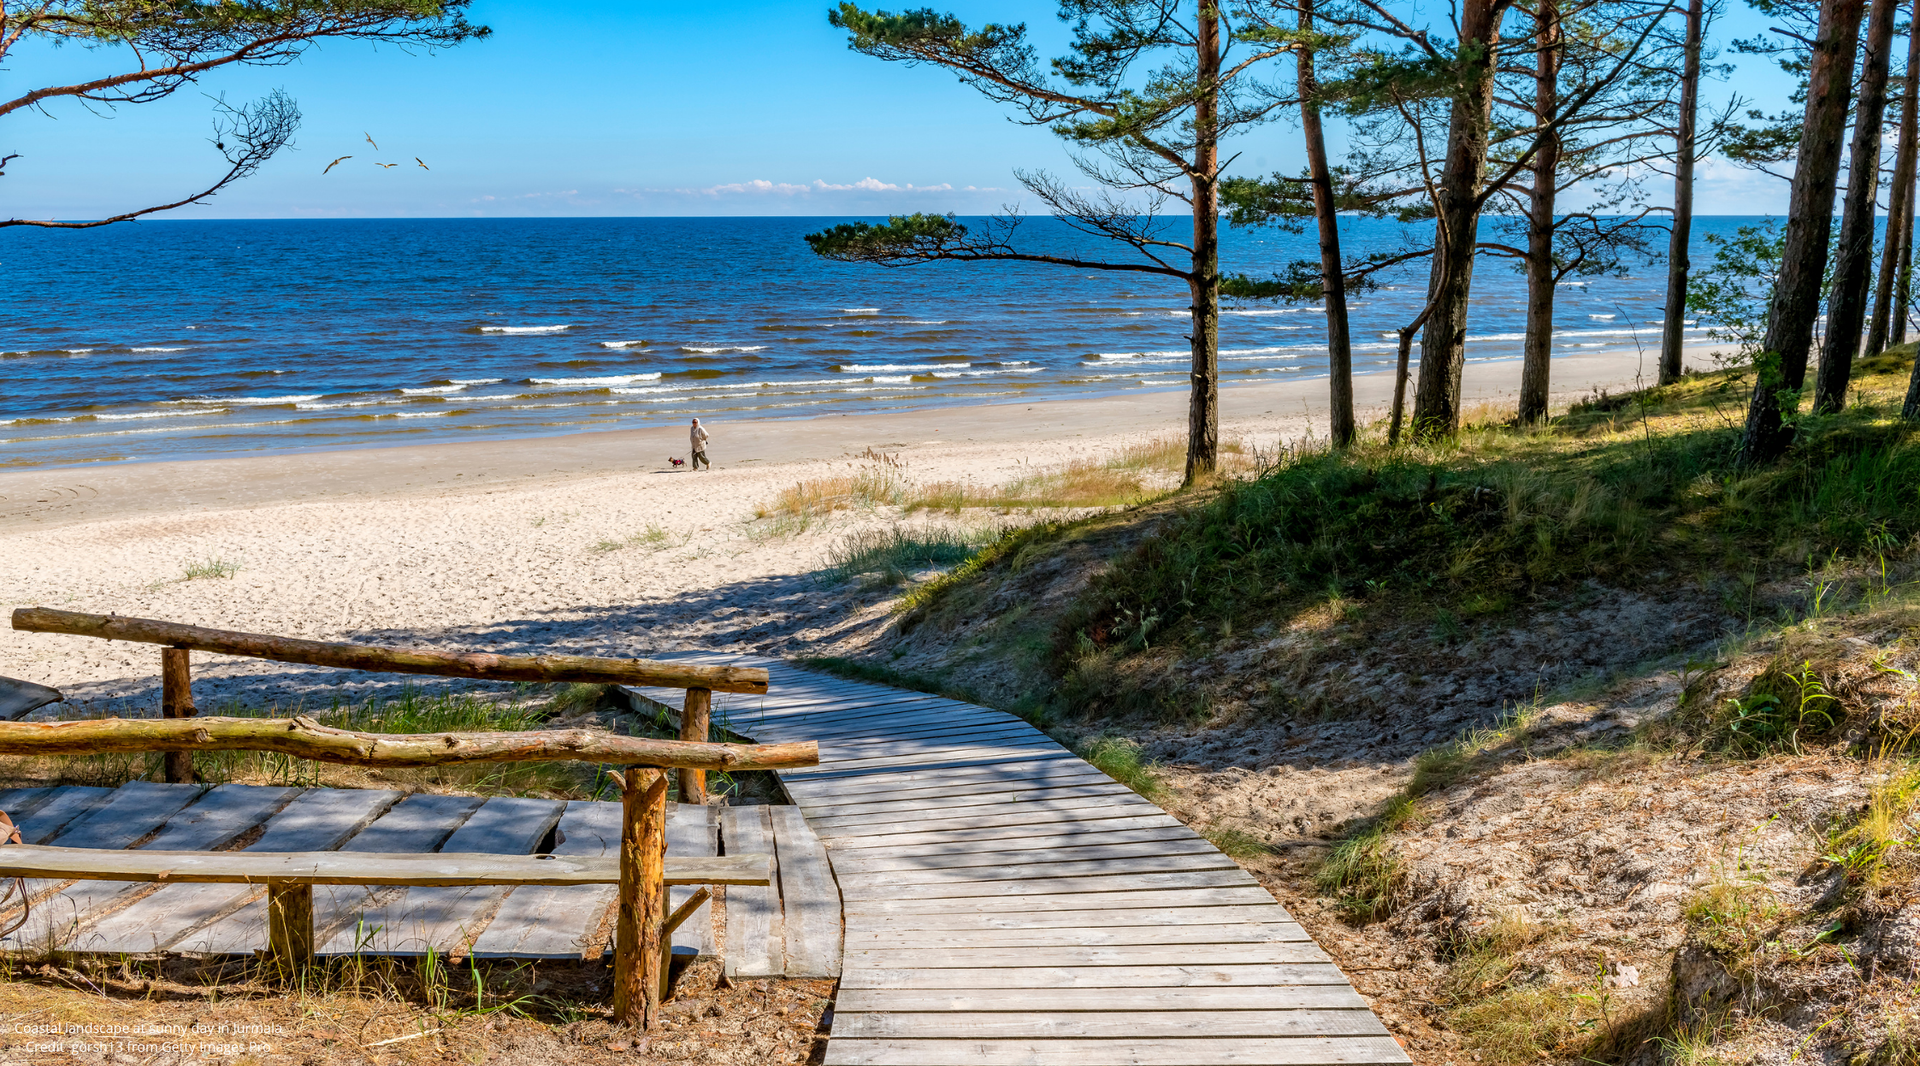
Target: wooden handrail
column 308, row 739
column 485, row 665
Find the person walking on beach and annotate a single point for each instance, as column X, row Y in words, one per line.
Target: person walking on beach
column 698, row 436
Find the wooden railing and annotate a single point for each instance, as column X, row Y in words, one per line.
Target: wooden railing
column 641, row 946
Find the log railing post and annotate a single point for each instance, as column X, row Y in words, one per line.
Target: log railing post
column 290, row 925
column 176, row 701
column 643, row 897
column 696, row 712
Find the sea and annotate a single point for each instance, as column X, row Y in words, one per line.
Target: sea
column 187, row 339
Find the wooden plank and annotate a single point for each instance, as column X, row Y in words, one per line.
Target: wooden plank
column 827, row 731
column 692, row 830
column 1070, row 835
column 912, row 958
column 957, row 860
column 939, row 739
column 17, row 803
column 215, row 820
column 445, row 919
column 987, row 759
column 894, row 935
column 436, row 869
column 851, row 889
column 1304, row 1051
column 1115, row 794
column 418, row 823
column 753, row 914
column 914, row 785
column 1172, row 897
column 1141, row 1025
column 561, row 923
column 809, row 898
column 855, row 880
column 317, row 820
column 1197, row 974
column 108, row 822
column 1042, row 813
column 1040, row 922
column 1255, row 997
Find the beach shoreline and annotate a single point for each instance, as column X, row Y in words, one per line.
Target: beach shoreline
column 589, row 544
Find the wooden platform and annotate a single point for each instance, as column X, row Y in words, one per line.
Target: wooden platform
column 1006, row 902
column 530, row 921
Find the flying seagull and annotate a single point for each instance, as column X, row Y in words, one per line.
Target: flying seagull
column 423, row 166
column 369, row 137
column 389, row 166
column 336, row 163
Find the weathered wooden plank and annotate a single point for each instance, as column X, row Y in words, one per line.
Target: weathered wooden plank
column 892, row 936
column 317, row 820
column 417, row 824
column 881, row 783
column 445, row 919
column 557, row 923
column 18, row 697
column 17, row 803
column 960, row 859
column 754, row 933
column 1140, row 1025
column 978, row 755
column 1042, row 921
column 1026, row 871
column 907, row 957
column 1011, row 815
column 946, row 795
column 938, row 739
column 117, row 821
column 1115, row 794
column 864, row 732
column 1030, row 838
column 692, row 830
column 1303, row 1051
column 809, row 898
column 216, row 819
column 1074, row 900
column 852, row 889
column 851, row 1001
column 1198, row 974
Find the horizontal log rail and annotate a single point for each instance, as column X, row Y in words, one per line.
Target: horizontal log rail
column 363, row 868
column 307, row 739
column 483, row 665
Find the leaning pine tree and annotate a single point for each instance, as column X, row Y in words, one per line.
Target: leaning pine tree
column 1151, row 87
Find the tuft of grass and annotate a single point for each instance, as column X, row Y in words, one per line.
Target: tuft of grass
column 1119, row 758
column 1865, row 848
column 879, row 482
column 1235, row 843
column 1780, row 707
column 1523, row 1025
column 1363, row 874
column 653, row 538
column 1735, row 911
column 1437, row 768
column 211, row 568
column 890, row 557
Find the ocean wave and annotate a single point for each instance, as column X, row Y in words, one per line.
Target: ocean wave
column 860, row 310
column 243, row 401
column 432, row 390
column 985, row 373
column 477, row 381
column 526, row 329
column 716, row 351
column 339, row 404
column 1138, row 355
column 1603, row 318
column 882, row 379
column 623, row 344
column 159, row 349
column 1276, row 311
column 621, row 379
column 869, row 368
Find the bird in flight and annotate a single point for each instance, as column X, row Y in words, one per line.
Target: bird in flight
column 389, row 166
column 369, row 137
column 423, row 166
column 336, row 163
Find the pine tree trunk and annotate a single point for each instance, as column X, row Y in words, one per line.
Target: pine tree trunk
column 1203, row 416
column 1333, row 279
column 1782, row 363
column 1899, row 197
column 1853, row 269
column 1903, row 275
column 1537, row 353
column 1672, row 335
column 1443, row 344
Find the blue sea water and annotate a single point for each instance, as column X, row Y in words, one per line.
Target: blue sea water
column 176, row 339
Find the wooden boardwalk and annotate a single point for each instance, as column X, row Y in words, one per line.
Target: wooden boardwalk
column 1006, row 902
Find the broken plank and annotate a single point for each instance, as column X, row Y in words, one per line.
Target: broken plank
column 754, row 935
column 809, row 896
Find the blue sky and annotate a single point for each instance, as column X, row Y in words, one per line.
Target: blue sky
column 609, row 109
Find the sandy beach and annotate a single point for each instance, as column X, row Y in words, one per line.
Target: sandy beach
column 589, row 542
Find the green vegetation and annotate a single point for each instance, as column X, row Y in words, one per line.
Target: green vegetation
column 1119, row 758
column 211, row 568
column 886, row 558
column 1363, row 874
column 653, row 538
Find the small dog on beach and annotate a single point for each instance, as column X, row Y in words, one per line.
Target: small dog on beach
column 676, row 462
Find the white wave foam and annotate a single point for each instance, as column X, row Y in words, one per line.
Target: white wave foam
column 1276, row 311
column 619, row 380
column 622, row 344
column 135, row 415
column 477, row 381
column 159, row 349
column 869, row 368
column 526, row 329
column 1601, row 318
column 899, row 379
column 716, row 351
column 1138, row 355
column 432, row 390
column 985, row 373
column 860, row 310
column 243, row 401
column 926, row 322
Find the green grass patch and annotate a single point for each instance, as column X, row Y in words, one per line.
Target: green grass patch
column 1363, row 874
column 885, row 558
column 1119, row 758
column 211, row 568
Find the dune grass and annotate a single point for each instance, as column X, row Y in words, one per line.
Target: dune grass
column 885, row 558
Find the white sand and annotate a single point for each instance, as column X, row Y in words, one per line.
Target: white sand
column 493, row 544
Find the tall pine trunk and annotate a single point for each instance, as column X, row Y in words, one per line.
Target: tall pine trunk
column 1443, row 343
column 1333, row 281
column 1537, row 351
column 1899, row 196
column 1678, row 265
column 1203, row 416
column 1903, row 274
column 1782, row 363
column 1853, row 269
